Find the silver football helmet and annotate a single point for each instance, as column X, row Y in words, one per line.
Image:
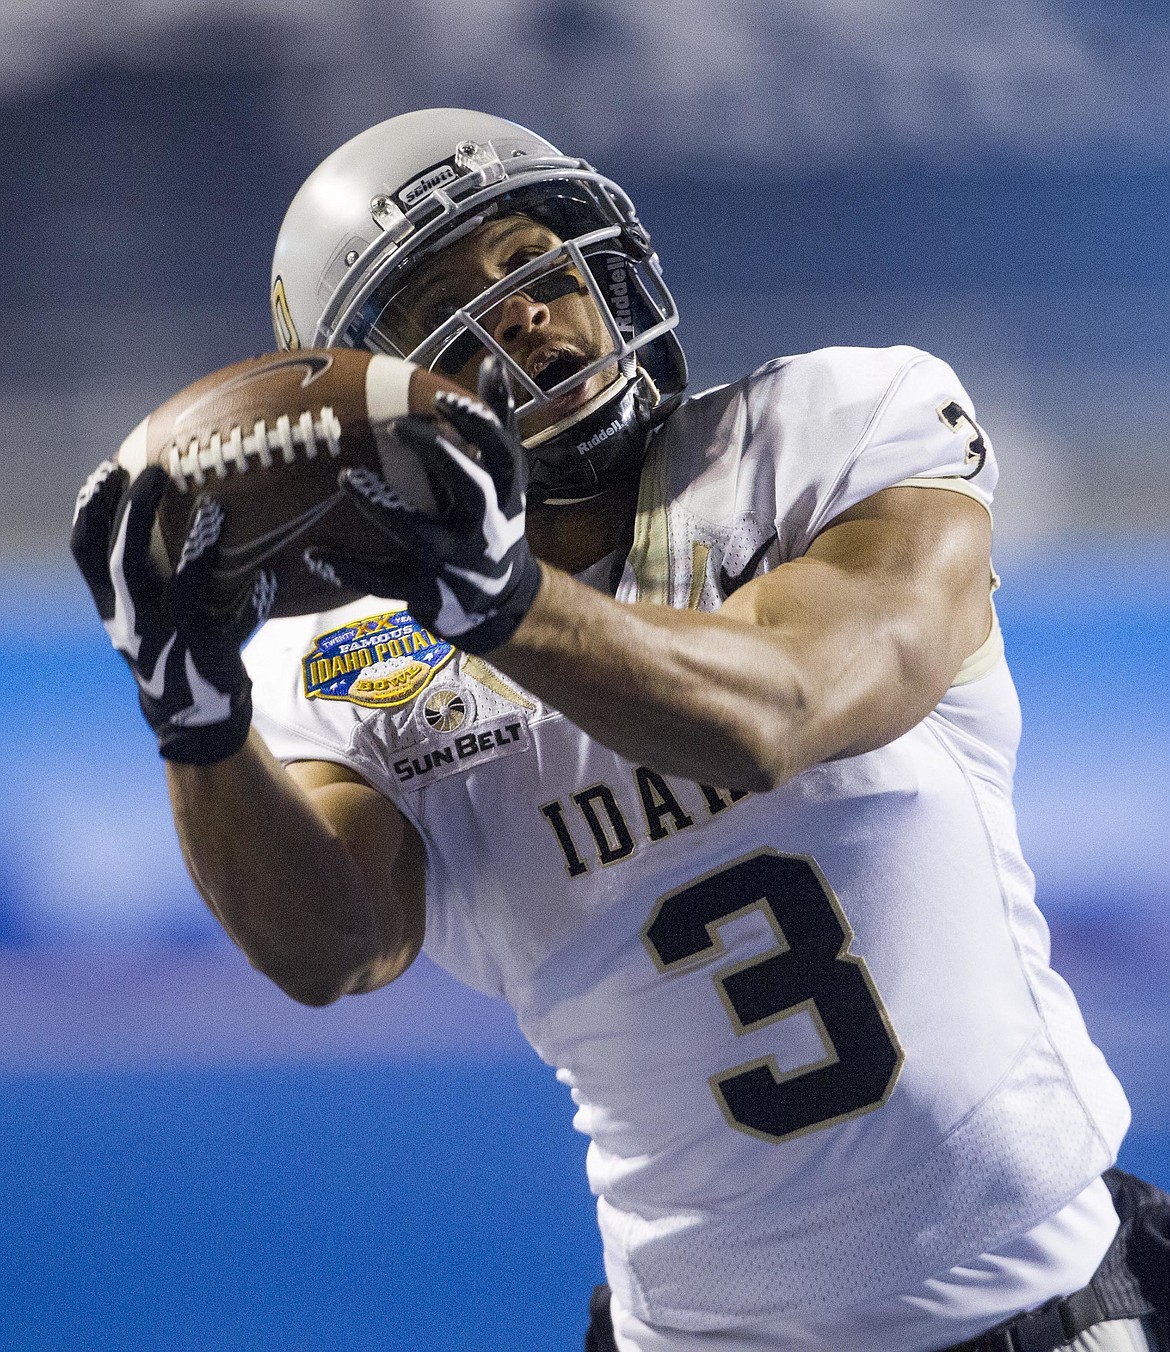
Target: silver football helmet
column 356, row 254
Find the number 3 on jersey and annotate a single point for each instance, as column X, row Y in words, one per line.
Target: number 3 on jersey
column 809, row 969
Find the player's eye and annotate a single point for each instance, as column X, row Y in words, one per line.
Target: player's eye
column 439, row 311
column 519, row 257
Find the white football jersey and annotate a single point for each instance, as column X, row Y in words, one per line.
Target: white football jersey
column 812, row 1034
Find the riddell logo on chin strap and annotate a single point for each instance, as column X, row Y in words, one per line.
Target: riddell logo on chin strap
column 598, row 437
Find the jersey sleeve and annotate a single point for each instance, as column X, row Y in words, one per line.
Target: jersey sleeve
column 344, row 686
column 852, row 422
column 293, row 727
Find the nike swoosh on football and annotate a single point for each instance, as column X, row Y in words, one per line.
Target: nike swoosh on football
column 238, row 560
column 730, row 582
column 313, row 366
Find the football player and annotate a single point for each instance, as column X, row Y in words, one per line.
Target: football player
column 684, row 725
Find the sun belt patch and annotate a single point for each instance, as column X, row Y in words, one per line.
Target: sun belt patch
column 379, row 661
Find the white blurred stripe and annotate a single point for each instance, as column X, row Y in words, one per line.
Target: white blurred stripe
column 810, row 81
column 105, row 1010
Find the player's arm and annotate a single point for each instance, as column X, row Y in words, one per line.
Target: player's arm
column 314, row 874
column 835, row 653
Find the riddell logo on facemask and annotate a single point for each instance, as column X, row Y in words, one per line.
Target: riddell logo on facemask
column 619, row 294
column 598, row 437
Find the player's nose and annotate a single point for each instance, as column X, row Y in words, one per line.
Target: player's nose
column 518, row 315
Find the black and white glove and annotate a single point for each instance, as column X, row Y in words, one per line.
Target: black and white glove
column 466, row 572
column 192, row 685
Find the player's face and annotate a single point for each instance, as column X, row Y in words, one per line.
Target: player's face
column 551, row 329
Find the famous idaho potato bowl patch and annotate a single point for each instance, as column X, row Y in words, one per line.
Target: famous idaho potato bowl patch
column 380, row 661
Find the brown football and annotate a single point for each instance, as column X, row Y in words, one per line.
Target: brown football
column 267, row 437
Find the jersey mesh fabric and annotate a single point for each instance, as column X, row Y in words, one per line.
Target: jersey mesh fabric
column 954, row 1307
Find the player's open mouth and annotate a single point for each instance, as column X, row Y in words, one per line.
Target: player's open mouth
column 549, row 366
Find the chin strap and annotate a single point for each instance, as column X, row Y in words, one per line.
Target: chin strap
column 582, row 461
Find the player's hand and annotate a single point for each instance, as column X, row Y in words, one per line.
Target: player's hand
column 192, row 685
column 466, row 572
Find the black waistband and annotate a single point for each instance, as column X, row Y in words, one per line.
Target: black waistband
column 1052, row 1326
column 1120, row 1288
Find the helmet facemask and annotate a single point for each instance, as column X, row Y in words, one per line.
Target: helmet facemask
column 394, row 318
column 596, row 249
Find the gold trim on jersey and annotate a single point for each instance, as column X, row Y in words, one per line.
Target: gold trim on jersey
column 951, row 485
column 650, row 554
column 700, row 553
column 985, row 657
column 478, row 670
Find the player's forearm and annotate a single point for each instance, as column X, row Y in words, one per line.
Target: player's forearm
column 790, row 673
column 274, row 873
column 700, row 695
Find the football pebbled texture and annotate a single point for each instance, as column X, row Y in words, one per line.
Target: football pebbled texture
column 267, row 437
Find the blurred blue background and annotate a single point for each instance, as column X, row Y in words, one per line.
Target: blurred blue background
column 191, row 1161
